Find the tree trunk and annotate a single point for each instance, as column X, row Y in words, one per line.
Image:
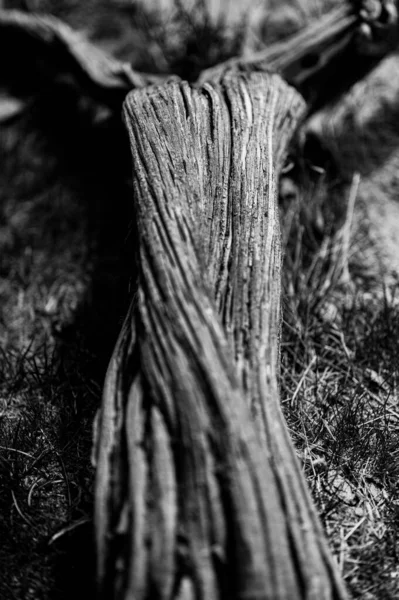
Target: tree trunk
column 198, row 491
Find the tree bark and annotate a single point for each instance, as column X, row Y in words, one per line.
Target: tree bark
column 198, row 490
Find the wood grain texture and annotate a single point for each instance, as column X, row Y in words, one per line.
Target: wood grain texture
column 325, row 58
column 198, row 491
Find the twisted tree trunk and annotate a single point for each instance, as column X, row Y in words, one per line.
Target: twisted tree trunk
column 198, row 491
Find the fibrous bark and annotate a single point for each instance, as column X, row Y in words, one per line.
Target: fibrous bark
column 198, row 490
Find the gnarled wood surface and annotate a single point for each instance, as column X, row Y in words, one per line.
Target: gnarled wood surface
column 198, row 491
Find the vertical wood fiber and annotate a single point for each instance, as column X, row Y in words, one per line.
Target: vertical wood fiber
column 198, row 491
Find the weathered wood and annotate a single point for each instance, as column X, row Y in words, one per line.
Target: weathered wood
column 41, row 48
column 327, row 57
column 322, row 61
column 198, row 490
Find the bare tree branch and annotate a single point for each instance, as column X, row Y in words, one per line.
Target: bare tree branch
column 43, row 48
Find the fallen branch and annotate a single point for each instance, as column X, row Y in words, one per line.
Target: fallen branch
column 321, row 61
column 329, row 55
column 198, row 490
column 43, row 49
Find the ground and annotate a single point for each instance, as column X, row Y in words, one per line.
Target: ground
column 65, row 248
column 340, row 358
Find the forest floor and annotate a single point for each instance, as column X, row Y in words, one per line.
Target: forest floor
column 65, row 201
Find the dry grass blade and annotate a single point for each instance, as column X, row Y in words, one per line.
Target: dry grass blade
column 19, row 511
column 346, row 228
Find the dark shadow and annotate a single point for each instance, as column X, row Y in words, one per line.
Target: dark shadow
column 86, row 220
column 75, row 565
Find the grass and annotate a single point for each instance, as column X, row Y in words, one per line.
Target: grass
column 46, row 480
column 64, row 286
column 340, row 373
